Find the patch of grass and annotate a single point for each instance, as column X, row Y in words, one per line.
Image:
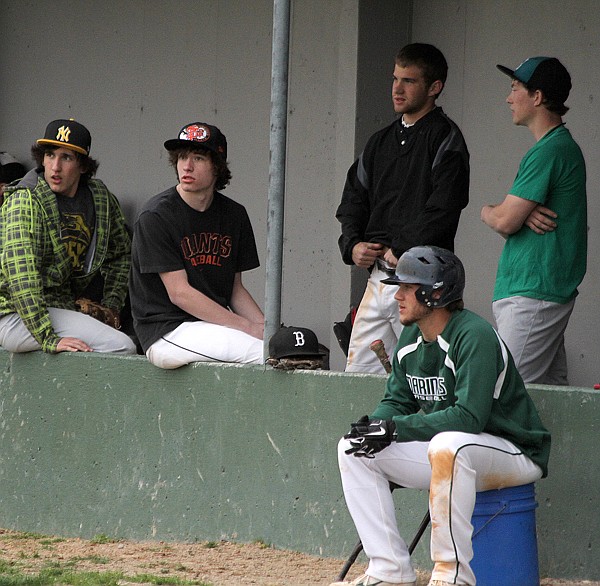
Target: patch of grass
column 58, row 576
column 22, row 581
column 262, row 544
column 94, row 559
column 211, row 544
column 162, row 580
column 22, row 535
column 53, row 565
column 64, row 573
column 44, row 540
column 102, row 539
column 181, row 568
column 51, row 541
column 7, row 567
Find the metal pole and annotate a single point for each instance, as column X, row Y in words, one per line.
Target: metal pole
column 278, row 136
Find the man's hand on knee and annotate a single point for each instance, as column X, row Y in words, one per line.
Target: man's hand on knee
column 369, row 436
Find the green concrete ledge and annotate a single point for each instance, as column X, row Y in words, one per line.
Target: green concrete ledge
column 96, row 444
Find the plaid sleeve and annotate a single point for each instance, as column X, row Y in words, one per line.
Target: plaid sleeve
column 115, row 269
column 24, row 232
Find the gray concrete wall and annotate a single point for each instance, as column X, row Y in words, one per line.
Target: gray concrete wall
column 94, row 444
column 384, row 27
column 475, row 35
column 136, row 71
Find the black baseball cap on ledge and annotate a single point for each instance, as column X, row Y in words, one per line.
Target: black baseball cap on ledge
column 69, row 135
column 290, row 341
column 201, row 135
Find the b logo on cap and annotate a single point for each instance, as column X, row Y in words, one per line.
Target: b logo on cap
column 63, row 134
column 299, row 338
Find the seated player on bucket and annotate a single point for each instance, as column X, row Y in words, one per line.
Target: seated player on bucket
column 455, row 419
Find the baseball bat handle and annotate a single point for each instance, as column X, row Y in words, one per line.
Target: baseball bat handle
column 378, row 347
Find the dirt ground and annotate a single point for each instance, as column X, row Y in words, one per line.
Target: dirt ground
column 214, row 563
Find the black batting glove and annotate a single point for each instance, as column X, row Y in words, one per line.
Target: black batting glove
column 357, row 429
column 370, row 436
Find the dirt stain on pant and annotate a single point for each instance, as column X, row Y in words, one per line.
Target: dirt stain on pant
column 442, row 466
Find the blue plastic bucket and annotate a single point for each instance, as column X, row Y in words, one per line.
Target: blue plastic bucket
column 504, row 537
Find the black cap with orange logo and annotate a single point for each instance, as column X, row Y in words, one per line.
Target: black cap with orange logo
column 203, row 136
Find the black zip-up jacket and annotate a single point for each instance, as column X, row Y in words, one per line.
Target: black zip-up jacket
column 407, row 188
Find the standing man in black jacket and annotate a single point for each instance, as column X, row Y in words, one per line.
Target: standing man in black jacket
column 407, row 188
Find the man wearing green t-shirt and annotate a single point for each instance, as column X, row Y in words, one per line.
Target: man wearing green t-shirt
column 455, row 419
column 544, row 221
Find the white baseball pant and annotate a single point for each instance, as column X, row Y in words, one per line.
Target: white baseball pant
column 200, row 341
column 377, row 318
column 15, row 337
column 453, row 466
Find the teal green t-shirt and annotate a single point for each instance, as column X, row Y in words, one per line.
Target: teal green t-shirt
column 548, row 266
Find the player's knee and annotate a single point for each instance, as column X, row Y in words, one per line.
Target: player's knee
column 112, row 341
column 345, row 460
column 449, row 447
column 127, row 345
column 162, row 359
column 445, row 441
column 343, row 445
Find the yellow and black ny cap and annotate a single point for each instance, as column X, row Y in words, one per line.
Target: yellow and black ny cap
column 68, row 134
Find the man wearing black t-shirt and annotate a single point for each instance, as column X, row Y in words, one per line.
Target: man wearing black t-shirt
column 190, row 247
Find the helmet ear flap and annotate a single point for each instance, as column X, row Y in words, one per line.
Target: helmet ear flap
column 429, row 296
column 423, row 295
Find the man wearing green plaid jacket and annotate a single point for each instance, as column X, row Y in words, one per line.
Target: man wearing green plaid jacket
column 60, row 230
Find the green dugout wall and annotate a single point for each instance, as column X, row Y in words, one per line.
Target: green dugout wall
column 93, row 444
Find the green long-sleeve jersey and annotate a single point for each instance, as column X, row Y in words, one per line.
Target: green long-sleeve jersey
column 465, row 380
column 35, row 269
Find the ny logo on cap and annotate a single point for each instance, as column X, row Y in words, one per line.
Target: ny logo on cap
column 63, row 134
